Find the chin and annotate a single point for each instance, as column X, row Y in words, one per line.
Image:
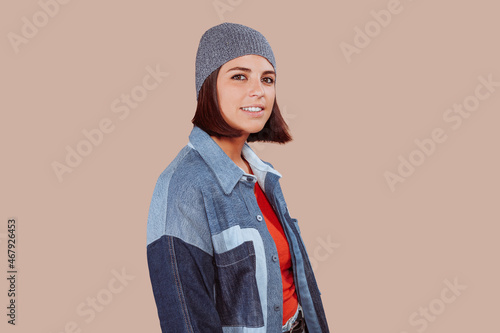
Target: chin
column 255, row 129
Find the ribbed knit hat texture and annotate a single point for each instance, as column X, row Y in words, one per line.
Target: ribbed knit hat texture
column 225, row 42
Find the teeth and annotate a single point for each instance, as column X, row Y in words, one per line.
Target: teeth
column 252, row 109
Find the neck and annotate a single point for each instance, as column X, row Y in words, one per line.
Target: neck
column 233, row 147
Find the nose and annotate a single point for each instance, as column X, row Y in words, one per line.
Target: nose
column 256, row 88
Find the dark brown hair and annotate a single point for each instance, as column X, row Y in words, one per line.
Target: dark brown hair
column 208, row 117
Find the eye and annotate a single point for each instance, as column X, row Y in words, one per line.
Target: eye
column 270, row 80
column 238, row 75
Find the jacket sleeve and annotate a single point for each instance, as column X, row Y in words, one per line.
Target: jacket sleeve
column 180, row 267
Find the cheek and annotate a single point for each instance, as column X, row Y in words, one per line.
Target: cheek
column 228, row 103
column 270, row 92
column 230, row 98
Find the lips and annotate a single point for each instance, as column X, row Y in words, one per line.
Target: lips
column 253, row 106
column 253, row 111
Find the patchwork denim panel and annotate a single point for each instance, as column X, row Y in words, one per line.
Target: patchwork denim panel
column 182, row 278
column 237, row 294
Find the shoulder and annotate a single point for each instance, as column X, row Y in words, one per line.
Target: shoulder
column 187, row 173
column 177, row 206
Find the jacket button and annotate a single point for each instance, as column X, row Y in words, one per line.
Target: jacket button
column 277, row 308
column 275, row 258
column 259, row 218
column 249, row 179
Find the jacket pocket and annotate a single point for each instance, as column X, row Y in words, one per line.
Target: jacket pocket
column 236, row 292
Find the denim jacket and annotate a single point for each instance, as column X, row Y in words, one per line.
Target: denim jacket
column 212, row 262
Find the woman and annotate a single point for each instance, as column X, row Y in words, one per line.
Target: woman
column 224, row 254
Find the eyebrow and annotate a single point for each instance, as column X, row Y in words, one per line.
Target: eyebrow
column 244, row 69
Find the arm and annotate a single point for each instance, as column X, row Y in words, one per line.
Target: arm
column 179, row 254
column 182, row 278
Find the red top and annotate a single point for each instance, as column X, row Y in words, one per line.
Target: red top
column 290, row 301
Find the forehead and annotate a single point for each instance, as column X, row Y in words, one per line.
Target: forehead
column 251, row 61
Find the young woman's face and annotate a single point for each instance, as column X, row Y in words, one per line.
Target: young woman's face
column 246, row 81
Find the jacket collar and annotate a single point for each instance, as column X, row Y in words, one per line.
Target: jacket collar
column 226, row 171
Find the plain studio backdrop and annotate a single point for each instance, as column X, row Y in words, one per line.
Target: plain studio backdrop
column 392, row 173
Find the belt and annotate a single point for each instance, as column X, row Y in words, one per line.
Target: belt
column 299, row 325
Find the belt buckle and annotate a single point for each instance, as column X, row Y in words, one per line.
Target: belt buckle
column 298, row 323
column 295, row 324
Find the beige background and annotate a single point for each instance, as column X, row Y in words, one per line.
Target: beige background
column 380, row 256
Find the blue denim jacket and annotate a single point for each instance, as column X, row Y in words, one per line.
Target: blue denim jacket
column 212, row 262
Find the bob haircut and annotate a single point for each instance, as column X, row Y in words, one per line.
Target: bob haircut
column 209, row 118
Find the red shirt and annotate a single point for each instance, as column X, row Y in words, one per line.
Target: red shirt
column 290, row 301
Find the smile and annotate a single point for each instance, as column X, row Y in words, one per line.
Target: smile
column 252, row 109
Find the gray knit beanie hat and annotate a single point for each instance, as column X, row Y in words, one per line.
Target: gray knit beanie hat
column 225, row 42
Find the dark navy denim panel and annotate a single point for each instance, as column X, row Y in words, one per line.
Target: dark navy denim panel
column 182, row 278
column 237, row 295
